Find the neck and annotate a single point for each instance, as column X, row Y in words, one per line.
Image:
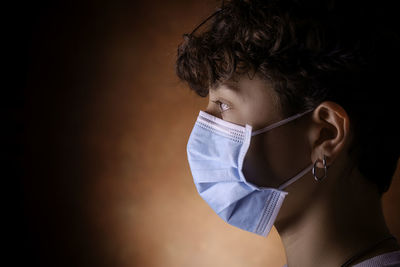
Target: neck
column 336, row 228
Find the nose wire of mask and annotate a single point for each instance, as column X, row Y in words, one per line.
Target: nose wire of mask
column 216, row 151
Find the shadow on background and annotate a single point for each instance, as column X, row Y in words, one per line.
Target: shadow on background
column 99, row 125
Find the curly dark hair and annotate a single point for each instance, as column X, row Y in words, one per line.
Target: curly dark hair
column 310, row 51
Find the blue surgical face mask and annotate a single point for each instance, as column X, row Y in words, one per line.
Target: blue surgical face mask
column 216, row 150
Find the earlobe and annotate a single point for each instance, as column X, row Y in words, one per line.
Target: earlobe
column 330, row 131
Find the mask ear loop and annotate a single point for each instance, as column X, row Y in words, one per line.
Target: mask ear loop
column 279, row 123
column 282, row 122
column 294, row 179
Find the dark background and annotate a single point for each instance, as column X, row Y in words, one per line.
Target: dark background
column 95, row 138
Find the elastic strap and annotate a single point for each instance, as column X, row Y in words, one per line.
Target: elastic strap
column 279, row 123
column 297, row 177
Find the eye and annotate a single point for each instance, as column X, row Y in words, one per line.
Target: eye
column 222, row 106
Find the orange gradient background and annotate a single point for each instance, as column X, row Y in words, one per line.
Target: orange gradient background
column 107, row 181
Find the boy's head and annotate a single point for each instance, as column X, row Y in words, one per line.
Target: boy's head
column 309, row 52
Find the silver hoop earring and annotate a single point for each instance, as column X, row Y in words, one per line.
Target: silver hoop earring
column 318, row 179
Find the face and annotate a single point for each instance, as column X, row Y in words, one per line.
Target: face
column 275, row 156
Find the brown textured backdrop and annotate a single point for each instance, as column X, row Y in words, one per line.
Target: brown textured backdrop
column 106, row 180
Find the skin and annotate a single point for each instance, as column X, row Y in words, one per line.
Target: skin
column 321, row 223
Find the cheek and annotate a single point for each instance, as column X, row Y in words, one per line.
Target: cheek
column 288, row 150
column 276, row 156
column 257, row 167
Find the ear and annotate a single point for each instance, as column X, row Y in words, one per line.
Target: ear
column 330, row 132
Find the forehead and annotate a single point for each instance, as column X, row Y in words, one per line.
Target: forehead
column 252, row 89
column 233, row 85
column 246, row 85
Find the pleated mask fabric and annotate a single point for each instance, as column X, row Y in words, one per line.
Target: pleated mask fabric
column 216, row 151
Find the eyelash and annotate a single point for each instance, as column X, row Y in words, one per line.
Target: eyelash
column 219, row 103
